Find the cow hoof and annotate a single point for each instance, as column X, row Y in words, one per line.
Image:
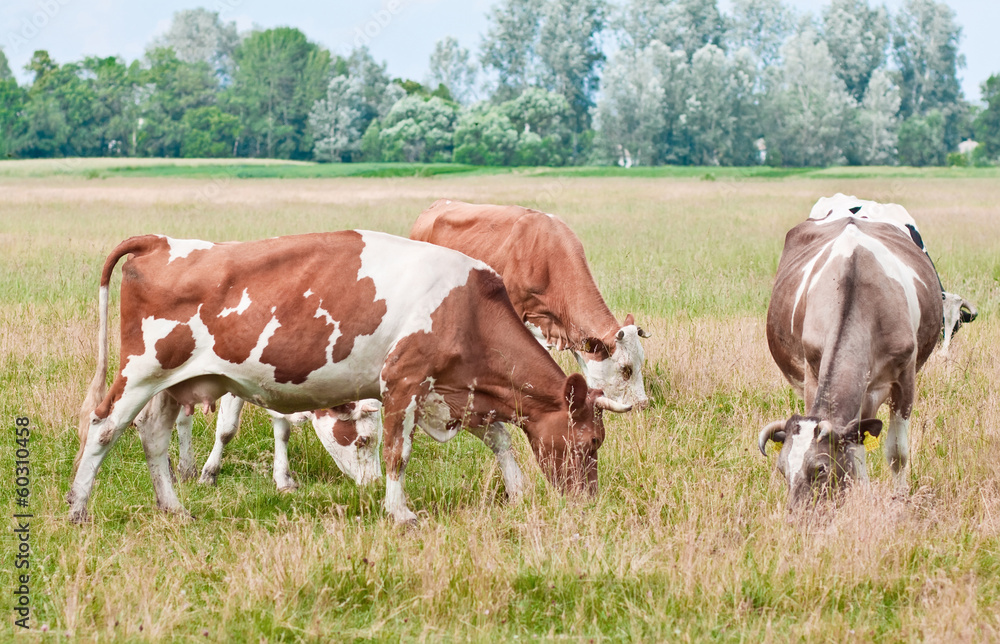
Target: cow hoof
column 207, row 478
column 78, row 517
column 288, row 489
column 188, row 473
column 405, row 518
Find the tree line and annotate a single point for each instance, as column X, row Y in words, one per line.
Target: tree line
column 685, row 84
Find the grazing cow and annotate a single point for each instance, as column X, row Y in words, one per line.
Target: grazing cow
column 314, row 321
column 351, row 433
column 856, row 310
column 550, row 286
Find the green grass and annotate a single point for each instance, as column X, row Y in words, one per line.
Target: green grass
column 687, row 541
column 103, row 168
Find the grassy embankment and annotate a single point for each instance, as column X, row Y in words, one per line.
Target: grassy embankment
column 688, row 539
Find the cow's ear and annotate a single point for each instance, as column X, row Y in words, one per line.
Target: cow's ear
column 629, row 319
column 855, row 432
column 575, row 392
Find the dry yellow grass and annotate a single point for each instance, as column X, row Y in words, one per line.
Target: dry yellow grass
column 688, row 540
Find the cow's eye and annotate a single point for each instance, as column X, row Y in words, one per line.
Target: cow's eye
column 627, row 372
column 820, row 470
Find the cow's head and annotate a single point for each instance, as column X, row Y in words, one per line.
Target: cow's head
column 566, row 442
column 352, row 433
column 817, row 458
column 614, row 364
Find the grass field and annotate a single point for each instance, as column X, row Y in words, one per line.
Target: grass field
column 688, row 540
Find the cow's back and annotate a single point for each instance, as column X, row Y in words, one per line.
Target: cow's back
column 541, row 260
column 830, row 272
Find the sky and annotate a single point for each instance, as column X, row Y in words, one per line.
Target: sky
column 400, row 32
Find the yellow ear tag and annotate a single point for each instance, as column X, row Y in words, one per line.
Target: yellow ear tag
column 777, row 446
column 871, row 442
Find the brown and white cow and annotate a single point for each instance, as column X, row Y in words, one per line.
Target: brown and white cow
column 314, row 321
column 351, row 434
column 855, row 312
column 550, row 285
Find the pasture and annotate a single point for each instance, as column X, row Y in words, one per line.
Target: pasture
column 688, row 539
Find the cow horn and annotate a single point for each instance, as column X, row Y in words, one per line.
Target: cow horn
column 603, row 402
column 767, row 433
column 971, row 315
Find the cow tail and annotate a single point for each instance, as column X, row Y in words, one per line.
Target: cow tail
column 98, row 385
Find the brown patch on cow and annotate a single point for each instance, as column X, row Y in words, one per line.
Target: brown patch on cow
column 298, row 346
column 237, row 334
column 345, row 433
column 174, row 350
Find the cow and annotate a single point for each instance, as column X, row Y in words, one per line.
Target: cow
column 313, row 321
column 855, row 312
column 351, row 433
column 550, row 285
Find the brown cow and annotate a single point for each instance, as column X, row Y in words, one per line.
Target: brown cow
column 855, row 312
column 314, row 321
column 550, row 285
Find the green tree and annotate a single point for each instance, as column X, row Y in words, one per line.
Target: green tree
column 451, row 66
column 13, row 99
column 921, row 140
column 419, row 130
column 761, row 26
column 485, row 136
column 630, row 114
column 987, row 123
column 874, row 141
column 208, row 132
column 544, row 123
column 171, row 88
column 686, row 25
column 278, row 78
column 5, row 73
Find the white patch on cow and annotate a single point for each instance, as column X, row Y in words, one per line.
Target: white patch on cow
column 181, row 248
column 323, row 313
column 307, row 293
column 807, row 272
column 264, row 338
column 607, row 374
column 828, row 209
column 395, row 500
column 846, row 244
column 239, row 308
column 153, row 330
column 800, row 445
column 447, row 202
column 409, row 422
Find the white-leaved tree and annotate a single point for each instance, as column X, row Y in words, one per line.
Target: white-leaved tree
column 925, row 47
column 630, row 112
column 508, row 52
column 875, row 138
column 335, row 121
column 569, row 52
column 762, row 27
column 687, row 25
column 857, row 36
column 808, row 111
column 199, row 35
column 451, row 65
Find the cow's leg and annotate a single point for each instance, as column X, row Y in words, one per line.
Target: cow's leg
column 282, row 472
column 160, row 416
column 497, row 439
column 897, row 445
column 227, row 422
column 101, row 435
column 187, row 468
column 400, row 422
